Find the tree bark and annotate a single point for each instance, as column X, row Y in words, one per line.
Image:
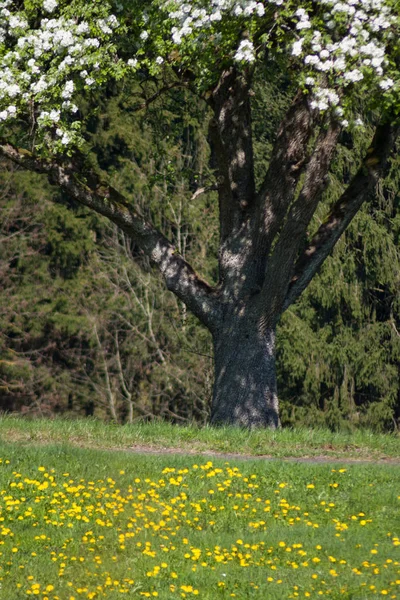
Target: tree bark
column 245, row 389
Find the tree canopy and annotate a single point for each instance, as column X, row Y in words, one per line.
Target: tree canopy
column 51, row 51
column 340, row 61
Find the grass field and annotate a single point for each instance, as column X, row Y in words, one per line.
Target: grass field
column 298, row 443
column 81, row 523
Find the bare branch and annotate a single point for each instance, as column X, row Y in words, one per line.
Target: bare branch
column 363, row 185
column 179, row 276
column 127, row 394
column 13, row 235
column 121, row 377
column 148, row 313
column 109, row 391
column 166, row 88
column 393, row 324
column 203, row 190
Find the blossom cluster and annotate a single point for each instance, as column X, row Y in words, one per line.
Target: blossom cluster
column 349, row 48
column 191, row 17
column 59, row 49
column 335, row 44
column 41, row 68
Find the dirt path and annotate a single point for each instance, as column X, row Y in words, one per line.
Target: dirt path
column 332, row 456
column 146, row 450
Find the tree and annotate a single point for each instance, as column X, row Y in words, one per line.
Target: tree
column 55, row 55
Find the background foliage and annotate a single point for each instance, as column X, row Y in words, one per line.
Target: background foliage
column 86, row 326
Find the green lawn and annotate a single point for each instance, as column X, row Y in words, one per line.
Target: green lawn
column 85, row 523
column 298, row 443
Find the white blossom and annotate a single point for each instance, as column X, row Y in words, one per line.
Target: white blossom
column 17, row 22
column 54, row 116
column 66, row 138
column 104, row 26
column 50, row 5
column 297, row 47
column 83, row 28
column 386, row 84
column 354, row 75
column 39, row 86
column 68, row 89
column 245, row 52
column 13, row 90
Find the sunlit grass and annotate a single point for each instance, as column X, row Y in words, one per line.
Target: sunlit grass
column 79, row 524
column 191, row 438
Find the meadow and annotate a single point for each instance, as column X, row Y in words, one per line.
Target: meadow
column 360, row 444
column 83, row 523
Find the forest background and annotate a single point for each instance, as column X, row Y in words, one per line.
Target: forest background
column 84, row 329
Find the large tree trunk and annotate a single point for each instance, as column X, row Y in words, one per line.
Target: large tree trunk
column 245, row 390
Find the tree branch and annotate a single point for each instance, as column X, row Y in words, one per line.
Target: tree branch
column 203, row 190
column 363, row 185
column 316, row 171
column 231, row 136
column 281, row 263
column 179, row 276
column 288, row 157
column 166, row 88
column 109, row 391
